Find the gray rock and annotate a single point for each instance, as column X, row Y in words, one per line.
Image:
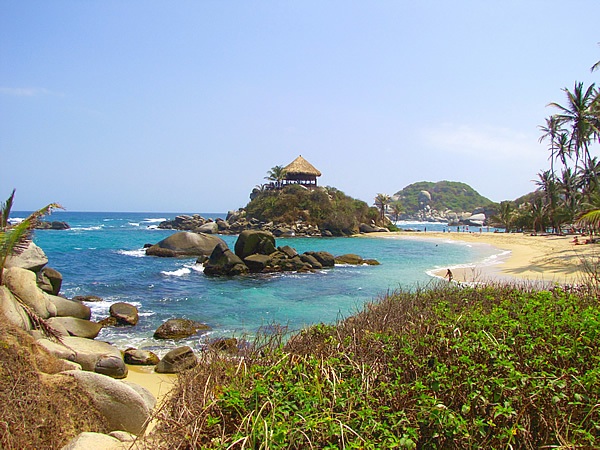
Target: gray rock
column 309, row 259
column 125, row 313
column 86, row 298
column 223, row 261
column 209, row 228
column 76, row 327
column 88, row 352
column 22, row 284
column 70, row 308
column 179, row 329
column 49, row 280
column 185, row 243
column 137, row 357
column 124, row 408
column 257, row 263
column 288, row 251
column 94, row 441
column 33, row 258
column 325, row 258
column 177, row 360
column 12, row 310
column 251, row 242
column 111, row 365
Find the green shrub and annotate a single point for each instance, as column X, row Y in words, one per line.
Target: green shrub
column 447, row 367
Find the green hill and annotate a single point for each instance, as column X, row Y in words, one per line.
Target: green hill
column 452, row 195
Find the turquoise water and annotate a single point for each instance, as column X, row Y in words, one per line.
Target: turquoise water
column 102, row 255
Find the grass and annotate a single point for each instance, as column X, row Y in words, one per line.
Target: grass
column 495, row 366
column 38, row 410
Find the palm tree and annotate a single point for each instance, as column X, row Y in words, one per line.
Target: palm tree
column 551, row 131
column 579, row 115
column 506, row 215
column 381, row 202
column 276, row 175
column 14, row 239
column 396, row 210
column 548, row 185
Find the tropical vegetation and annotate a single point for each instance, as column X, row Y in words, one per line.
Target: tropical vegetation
column 326, row 207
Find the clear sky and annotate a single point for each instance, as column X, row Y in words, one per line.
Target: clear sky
column 184, row 106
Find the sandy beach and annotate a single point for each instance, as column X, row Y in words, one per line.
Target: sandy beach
column 542, row 258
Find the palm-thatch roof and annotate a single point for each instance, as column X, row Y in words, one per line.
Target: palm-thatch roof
column 300, row 166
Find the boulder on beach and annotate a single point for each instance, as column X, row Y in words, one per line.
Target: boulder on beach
column 179, row 329
column 177, row 360
column 22, row 283
column 185, row 244
column 122, row 405
column 137, row 357
column 33, row 258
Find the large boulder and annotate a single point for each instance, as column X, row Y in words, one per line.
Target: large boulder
column 185, row 244
column 12, row 310
column 33, row 258
column 124, row 408
column 49, row 280
column 91, row 354
column 251, row 242
column 177, row 360
column 22, row 283
column 223, row 261
column 76, row 327
column 257, row 263
column 137, row 357
column 179, row 329
column 209, row 228
column 353, row 259
column 70, row 308
column 124, row 313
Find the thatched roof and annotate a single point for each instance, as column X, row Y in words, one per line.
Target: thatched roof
column 300, row 166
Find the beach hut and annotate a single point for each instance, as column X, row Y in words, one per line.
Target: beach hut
column 300, row 171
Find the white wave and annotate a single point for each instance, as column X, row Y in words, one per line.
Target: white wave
column 95, row 228
column 133, row 224
column 162, row 219
column 139, row 253
column 177, row 273
column 15, row 220
column 153, row 227
column 196, row 267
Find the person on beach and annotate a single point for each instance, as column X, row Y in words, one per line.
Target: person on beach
column 449, row 275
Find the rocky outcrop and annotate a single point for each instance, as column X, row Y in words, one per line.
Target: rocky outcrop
column 366, row 228
column 70, row 308
column 53, row 225
column 11, row 309
column 72, row 326
column 179, row 329
column 122, row 405
column 185, row 244
column 177, row 360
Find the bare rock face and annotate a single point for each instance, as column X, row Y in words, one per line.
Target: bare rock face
column 12, row 310
column 185, row 244
column 70, row 308
column 49, row 280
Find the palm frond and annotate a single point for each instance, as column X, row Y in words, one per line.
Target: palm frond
column 590, row 219
column 5, row 208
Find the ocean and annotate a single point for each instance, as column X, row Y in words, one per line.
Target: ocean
column 102, row 254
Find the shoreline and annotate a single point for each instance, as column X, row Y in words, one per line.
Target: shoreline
column 539, row 259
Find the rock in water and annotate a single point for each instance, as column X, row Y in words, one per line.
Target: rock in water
column 179, row 329
column 223, row 261
column 185, row 243
column 252, row 242
column 125, row 313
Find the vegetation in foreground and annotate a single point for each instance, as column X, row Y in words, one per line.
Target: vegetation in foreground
column 443, row 367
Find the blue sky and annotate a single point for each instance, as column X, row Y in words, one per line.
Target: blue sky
column 184, row 106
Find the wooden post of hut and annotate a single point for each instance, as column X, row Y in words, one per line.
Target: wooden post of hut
column 300, row 171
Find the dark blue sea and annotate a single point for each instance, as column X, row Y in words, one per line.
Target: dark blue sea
column 102, row 254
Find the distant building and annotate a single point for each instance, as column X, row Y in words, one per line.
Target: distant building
column 300, row 171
